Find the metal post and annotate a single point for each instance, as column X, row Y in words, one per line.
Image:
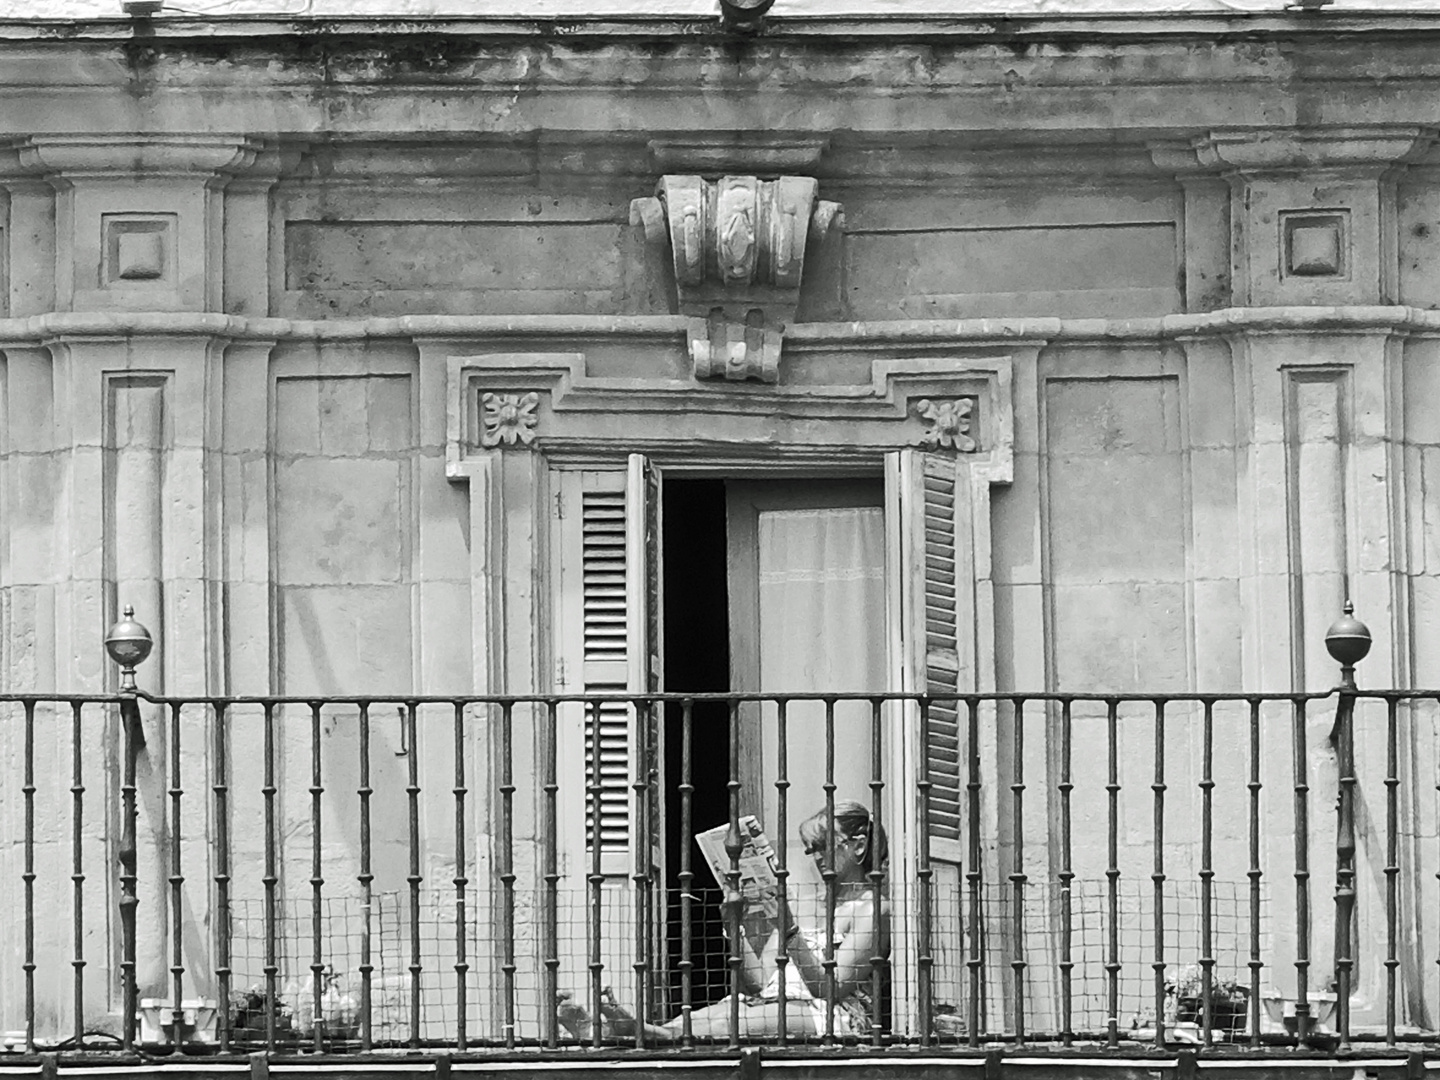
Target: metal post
column 128, row 644
column 1348, row 641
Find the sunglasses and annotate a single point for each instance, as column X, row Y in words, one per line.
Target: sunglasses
column 819, row 849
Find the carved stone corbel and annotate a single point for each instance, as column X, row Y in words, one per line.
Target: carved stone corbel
column 737, row 245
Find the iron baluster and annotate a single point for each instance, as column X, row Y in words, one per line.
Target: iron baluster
column 782, row 871
column 1254, row 873
column 1017, row 873
column 1157, row 875
column 460, row 881
column 366, row 879
column 687, row 875
column 828, row 875
column 507, row 867
column 1392, row 864
column 551, row 861
column 1207, row 869
column 924, row 961
column 976, row 1013
column 270, row 880
column 1112, row 872
column 128, row 897
column 177, row 880
column 640, row 785
column 317, row 881
column 221, row 791
column 880, row 959
column 414, row 878
column 733, row 847
column 28, row 877
column 596, row 878
column 1066, row 878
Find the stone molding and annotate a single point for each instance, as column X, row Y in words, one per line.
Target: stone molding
column 711, row 153
column 1268, row 150
column 99, row 157
column 33, row 330
column 581, row 417
column 737, row 247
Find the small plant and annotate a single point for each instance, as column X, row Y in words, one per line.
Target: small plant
column 247, row 1012
column 1229, row 1001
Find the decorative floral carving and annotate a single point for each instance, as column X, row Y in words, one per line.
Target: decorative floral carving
column 949, row 424
column 508, row 418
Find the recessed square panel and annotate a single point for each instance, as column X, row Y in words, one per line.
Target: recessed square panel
column 1314, row 243
column 139, row 249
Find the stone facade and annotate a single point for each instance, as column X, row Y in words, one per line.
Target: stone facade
column 307, row 326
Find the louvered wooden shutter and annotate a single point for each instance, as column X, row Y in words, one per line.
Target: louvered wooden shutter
column 936, row 603
column 942, row 656
column 604, row 597
column 608, row 639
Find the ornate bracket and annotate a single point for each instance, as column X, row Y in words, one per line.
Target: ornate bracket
column 738, row 249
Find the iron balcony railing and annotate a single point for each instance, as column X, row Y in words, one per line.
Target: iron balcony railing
column 352, row 874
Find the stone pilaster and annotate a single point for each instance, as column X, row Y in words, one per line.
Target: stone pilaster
column 137, row 514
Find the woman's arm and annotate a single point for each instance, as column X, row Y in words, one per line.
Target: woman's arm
column 756, row 965
column 859, row 933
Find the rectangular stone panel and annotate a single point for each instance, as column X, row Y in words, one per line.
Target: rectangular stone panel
column 390, row 267
column 1116, row 517
column 1317, row 440
column 343, row 533
column 1074, row 271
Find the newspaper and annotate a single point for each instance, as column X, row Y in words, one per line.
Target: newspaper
column 759, row 887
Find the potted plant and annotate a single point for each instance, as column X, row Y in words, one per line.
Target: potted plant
column 1229, row 1001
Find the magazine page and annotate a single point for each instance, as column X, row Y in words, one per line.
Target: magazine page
column 759, row 888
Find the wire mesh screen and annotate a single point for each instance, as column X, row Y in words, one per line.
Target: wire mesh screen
column 1040, row 951
column 428, row 1003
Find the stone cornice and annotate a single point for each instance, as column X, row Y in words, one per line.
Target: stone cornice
column 39, row 329
column 879, row 26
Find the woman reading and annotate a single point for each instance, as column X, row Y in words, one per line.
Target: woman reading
column 861, row 934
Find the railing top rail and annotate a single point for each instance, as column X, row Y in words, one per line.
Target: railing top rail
column 1009, row 697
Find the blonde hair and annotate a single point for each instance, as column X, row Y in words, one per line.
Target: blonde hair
column 852, row 821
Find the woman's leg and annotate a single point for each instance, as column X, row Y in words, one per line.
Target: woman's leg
column 760, row 1019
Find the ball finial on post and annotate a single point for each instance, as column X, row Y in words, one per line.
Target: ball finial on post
column 128, row 644
column 1348, row 640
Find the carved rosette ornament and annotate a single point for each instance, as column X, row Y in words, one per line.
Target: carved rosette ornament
column 508, row 419
column 738, row 249
column 949, row 424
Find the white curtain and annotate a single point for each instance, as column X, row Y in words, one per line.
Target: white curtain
column 822, row 629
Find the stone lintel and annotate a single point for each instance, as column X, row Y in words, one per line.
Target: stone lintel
column 959, row 403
